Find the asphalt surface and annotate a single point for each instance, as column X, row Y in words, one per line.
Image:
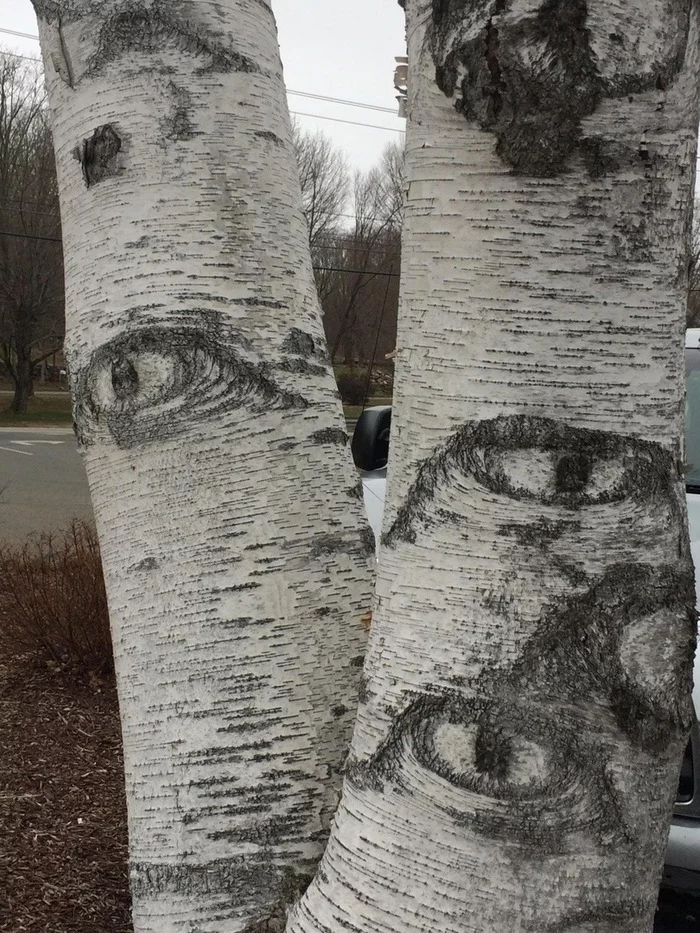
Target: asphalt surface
column 677, row 913
column 42, row 482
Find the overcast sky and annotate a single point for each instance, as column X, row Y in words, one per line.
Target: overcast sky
column 342, row 50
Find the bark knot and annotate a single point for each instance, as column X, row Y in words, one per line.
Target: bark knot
column 99, row 155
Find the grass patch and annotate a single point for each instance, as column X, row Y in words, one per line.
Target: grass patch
column 42, row 409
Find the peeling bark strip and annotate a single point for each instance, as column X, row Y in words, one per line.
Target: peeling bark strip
column 523, row 457
column 532, row 77
column 98, row 155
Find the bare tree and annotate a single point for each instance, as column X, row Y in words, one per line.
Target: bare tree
column 31, row 266
column 363, row 258
column 323, row 174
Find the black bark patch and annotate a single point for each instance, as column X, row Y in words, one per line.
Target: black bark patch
column 269, row 136
column 135, row 27
column 368, row 544
column 148, row 563
column 355, row 492
column 531, row 78
column 540, row 533
column 493, row 753
column 357, row 661
column 576, row 651
column 602, row 156
column 299, row 342
column 237, row 587
column 296, row 365
column 125, row 380
column 363, row 688
column 612, row 917
column 141, row 243
column 99, row 155
column 329, row 436
column 339, row 711
column 480, row 450
column 247, row 879
column 155, row 382
column 573, row 472
column 178, row 124
column 327, row 544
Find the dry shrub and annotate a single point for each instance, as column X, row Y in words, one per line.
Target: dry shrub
column 352, row 388
column 52, row 599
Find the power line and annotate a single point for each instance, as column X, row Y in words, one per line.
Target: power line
column 31, row 236
column 26, row 210
column 341, row 100
column 372, row 126
column 308, row 94
column 392, row 275
column 27, row 58
column 20, row 35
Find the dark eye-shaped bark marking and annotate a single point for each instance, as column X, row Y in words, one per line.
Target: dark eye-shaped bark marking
column 157, row 382
column 628, row 641
column 136, row 27
column 532, row 76
column 507, row 771
column 540, row 459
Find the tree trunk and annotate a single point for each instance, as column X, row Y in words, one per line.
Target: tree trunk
column 235, row 550
column 23, row 376
column 526, row 692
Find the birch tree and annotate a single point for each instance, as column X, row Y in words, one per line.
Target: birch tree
column 526, row 692
column 234, row 545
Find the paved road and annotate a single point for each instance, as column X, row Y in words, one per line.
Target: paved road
column 43, row 481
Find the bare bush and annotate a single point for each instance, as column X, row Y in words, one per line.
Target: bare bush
column 352, row 388
column 53, row 602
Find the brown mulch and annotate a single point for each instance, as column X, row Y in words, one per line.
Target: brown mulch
column 63, row 841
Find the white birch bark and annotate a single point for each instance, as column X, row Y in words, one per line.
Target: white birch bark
column 236, row 554
column 527, row 685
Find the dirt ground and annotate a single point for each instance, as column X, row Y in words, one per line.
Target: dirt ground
column 63, row 844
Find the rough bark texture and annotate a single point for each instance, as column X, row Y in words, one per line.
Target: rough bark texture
column 236, row 567
column 526, row 693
